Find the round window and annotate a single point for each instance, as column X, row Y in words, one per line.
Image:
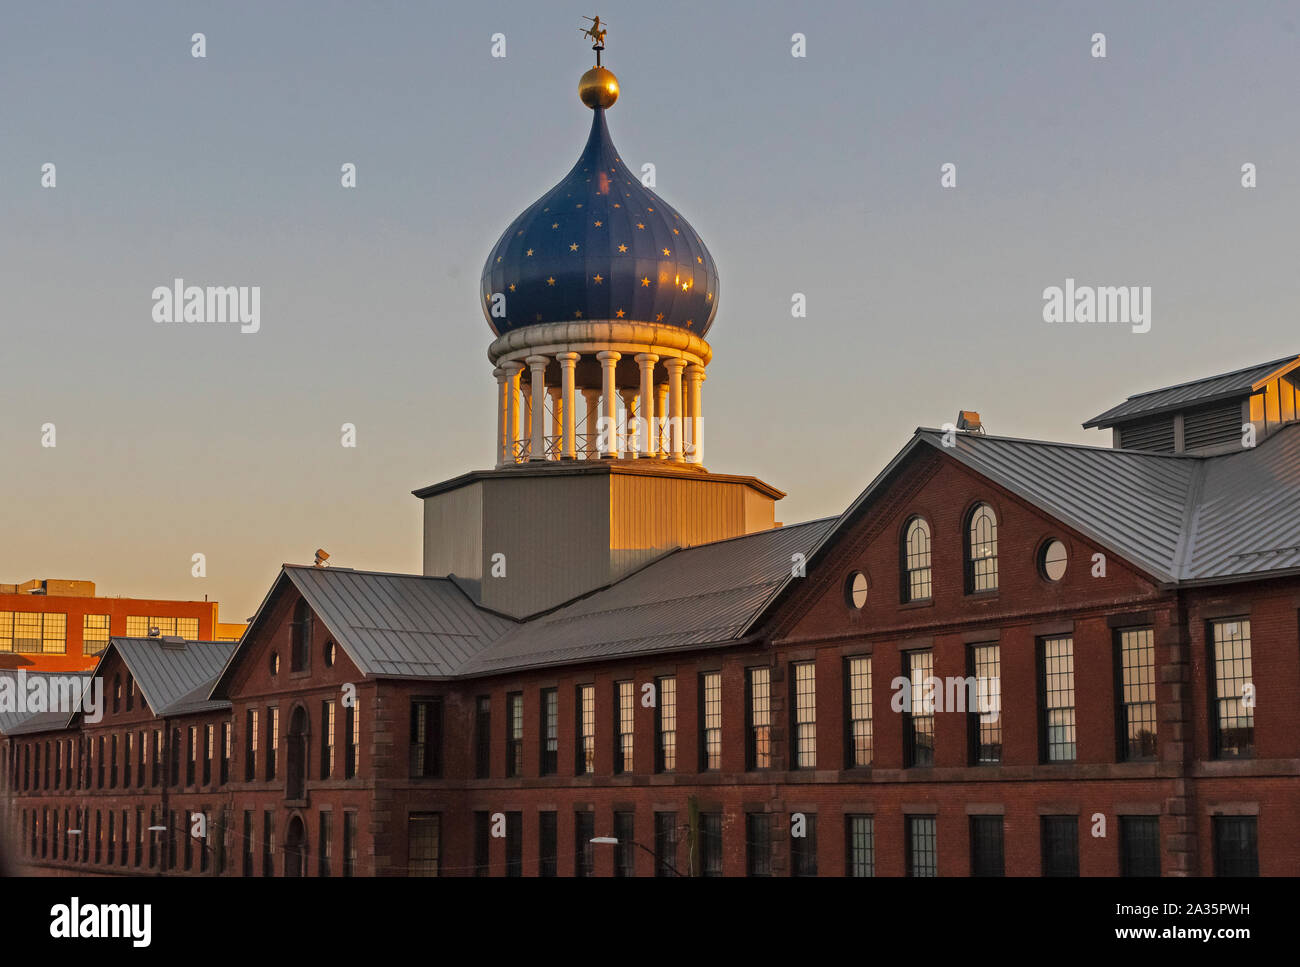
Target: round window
column 275, row 663
column 329, row 654
column 1053, row 560
column 855, row 590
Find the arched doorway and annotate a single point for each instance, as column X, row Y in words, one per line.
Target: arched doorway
column 296, row 783
column 295, row 848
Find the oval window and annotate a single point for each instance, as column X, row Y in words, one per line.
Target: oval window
column 275, row 662
column 855, row 590
column 329, row 654
column 1053, row 560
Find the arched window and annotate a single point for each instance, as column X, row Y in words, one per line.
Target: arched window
column 916, row 560
column 301, row 649
column 981, row 549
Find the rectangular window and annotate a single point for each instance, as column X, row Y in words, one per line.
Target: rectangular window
column 186, row 832
column 918, row 720
column 1233, row 724
column 99, row 763
column 1139, row 846
column 112, row 761
column 155, row 777
column 550, row 731
column 666, row 725
column 1137, row 694
column 514, row 844
column 94, row 633
column 250, row 745
column 325, row 848
column 272, row 741
column 248, row 843
column 860, row 845
column 623, row 706
column 33, row 632
column 711, row 844
column 352, row 752
column 921, row 850
column 423, row 844
column 584, row 828
column 710, row 721
column 1236, row 846
column 426, row 738
column 548, row 851
column 758, row 844
column 225, row 752
column 1056, row 689
column 1060, row 845
column 171, row 839
column 758, row 710
column 805, row 715
column 986, row 854
column 191, row 759
column 586, row 729
column 515, row 735
column 483, row 737
column 209, row 743
column 349, row 844
column 665, row 844
column 861, row 737
column 625, row 851
column 153, row 837
column 327, row 738
column 112, row 840
column 482, row 842
column 268, row 843
column 139, row 837
column 138, row 626
column 803, row 849
column 985, row 715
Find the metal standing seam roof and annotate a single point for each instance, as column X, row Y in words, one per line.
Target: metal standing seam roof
column 172, row 675
column 1180, row 517
column 17, row 722
column 1199, row 391
column 692, row 597
column 398, row 625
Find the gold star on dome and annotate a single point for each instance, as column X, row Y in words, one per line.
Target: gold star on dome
column 659, row 317
column 689, row 321
column 666, row 252
column 645, row 283
column 555, row 224
column 699, row 259
column 675, row 232
column 573, row 247
column 649, row 209
column 617, row 205
column 709, row 297
column 577, row 314
column 640, row 224
column 551, row 281
column 529, row 253
column 622, row 248
column 685, row 286
column 598, row 224
column 598, row 278
column 619, row 314
column 512, row 287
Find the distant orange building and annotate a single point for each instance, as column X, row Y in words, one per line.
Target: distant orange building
column 61, row 626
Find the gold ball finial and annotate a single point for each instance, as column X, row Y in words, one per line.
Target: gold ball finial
column 598, row 88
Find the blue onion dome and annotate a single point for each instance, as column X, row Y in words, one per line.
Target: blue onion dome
column 600, row 245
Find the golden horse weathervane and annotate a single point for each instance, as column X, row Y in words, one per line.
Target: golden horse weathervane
column 596, row 33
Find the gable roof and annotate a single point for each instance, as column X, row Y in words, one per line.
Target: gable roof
column 168, row 674
column 1197, row 392
column 692, row 597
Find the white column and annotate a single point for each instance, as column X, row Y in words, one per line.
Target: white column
column 592, row 398
column 695, row 380
column 567, row 363
column 646, row 404
column 537, row 375
column 661, row 419
column 675, row 366
column 502, row 426
column 557, row 419
column 629, row 422
column 609, row 409
column 513, row 369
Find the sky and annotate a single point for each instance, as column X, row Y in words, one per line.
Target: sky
column 818, row 175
